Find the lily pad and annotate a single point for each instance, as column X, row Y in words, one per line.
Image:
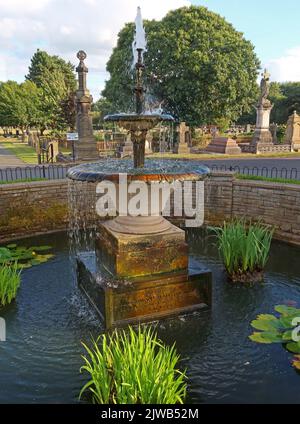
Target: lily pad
column 287, row 310
column 293, row 347
column 266, row 325
column 266, row 337
column 24, row 256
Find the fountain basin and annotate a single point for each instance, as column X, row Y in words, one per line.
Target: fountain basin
column 154, row 170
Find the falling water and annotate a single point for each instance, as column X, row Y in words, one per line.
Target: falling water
column 82, row 217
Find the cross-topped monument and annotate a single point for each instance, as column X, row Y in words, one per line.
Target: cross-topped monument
column 86, row 147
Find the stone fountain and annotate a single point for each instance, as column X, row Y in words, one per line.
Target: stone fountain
column 141, row 267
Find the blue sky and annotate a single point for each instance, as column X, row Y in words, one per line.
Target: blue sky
column 273, row 26
column 63, row 27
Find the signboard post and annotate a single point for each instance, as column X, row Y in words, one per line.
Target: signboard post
column 73, row 137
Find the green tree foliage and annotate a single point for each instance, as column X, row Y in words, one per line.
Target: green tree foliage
column 101, row 108
column 56, row 80
column 20, row 104
column 286, row 101
column 197, row 64
column 285, row 97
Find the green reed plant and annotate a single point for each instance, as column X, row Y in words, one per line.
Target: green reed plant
column 10, row 279
column 244, row 248
column 133, row 367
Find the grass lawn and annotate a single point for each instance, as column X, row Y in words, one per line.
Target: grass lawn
column 24, row 152
column 200, row 156
column 271, row 180
column 23, row 180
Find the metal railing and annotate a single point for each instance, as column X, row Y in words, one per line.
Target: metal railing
column 48, row 172
column 268, row 172
column 59, row 171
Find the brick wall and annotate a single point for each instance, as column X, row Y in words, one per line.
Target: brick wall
column 40, row 207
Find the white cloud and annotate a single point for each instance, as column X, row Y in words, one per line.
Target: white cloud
column 63, row 27
column 286, row 67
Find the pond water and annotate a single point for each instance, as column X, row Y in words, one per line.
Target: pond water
column 40, row 361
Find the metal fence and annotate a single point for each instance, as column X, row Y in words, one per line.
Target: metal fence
column 48, row 172
column 59, row 171
column 268, row 172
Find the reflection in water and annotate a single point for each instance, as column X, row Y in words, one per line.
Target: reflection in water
column 41, row 359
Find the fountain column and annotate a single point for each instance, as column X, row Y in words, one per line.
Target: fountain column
column 86, row 147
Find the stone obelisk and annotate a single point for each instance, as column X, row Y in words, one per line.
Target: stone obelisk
column 86, row 147
column 262, row 135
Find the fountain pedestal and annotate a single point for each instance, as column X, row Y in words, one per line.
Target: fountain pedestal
column 147, row 274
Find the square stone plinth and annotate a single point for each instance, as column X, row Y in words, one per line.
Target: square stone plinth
column 127, row 256
column 144, row 299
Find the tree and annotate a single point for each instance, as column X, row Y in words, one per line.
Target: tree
column 56, row 80
column 285, row 98
column 20, row 105
column 286, row 101
column 197, row 64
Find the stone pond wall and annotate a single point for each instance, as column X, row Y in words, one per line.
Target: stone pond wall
column 40, row 207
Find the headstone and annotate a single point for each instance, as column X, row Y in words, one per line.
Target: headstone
column 292, row 135
column 148, row 144
column 262, row 135
column 183, row 146
column 273, row 129
column 86, row 147
column 248, row 128
column 127, row 149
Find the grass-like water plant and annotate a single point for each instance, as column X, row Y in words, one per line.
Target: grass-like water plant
column 133, row 367
column 245, row 249
column 10, row 280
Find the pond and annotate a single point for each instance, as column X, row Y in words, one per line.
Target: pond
column 40, row 361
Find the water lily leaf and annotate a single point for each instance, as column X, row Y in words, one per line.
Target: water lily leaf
column 5, row 253
column 266, row 337
column 287, row 310
column 39, row 248
column 293, row 347
column 35, row 262
column 296, row 362
column 287, row 336
column 25, row 257
column 43, row 258
column 286, row 321
column 267, row 317
column 266, row 325
column 24, row 266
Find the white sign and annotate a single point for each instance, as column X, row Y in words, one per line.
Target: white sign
column 72, row 136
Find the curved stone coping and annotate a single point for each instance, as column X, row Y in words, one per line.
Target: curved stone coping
column 133, row 117
column 154, row 170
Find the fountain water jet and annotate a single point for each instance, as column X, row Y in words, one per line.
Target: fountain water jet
column 140, row 270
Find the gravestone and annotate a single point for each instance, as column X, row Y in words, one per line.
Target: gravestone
column 148, row 144
column 183, row 147
column 127, row 148
column 86, row 147
column 292, row 135
column 273, row 129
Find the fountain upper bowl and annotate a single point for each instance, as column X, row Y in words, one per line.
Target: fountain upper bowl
column 138, row 122
column 154, row 170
